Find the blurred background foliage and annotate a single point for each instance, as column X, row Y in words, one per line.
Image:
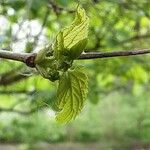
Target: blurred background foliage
column 117, row 113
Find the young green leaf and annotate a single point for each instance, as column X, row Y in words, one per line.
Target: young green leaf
column 72, row 40
column 71, row 95
column 69, row 44
column 53, row 63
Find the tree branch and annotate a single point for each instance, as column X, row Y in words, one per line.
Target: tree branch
column 4, row 92
column 94, row 55
column 13, row 56
column 28, row 58
column 23, row 57
column 134, row 38
column 18, row 111
column 58, row 9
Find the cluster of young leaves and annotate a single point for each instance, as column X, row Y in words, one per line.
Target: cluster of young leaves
column 55, row 63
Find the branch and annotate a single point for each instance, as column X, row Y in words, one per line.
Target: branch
column 28, row 58
column 36, row 38
column 134, row 38
column 11, row 76
column 58, row 9
column 23, row 57
column 18, row 111
column 3, row 92
column 94, row 55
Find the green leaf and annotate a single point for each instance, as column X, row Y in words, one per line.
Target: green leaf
column 72, row 40
column 71, row 95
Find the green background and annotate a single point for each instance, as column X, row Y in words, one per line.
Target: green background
column 117, row 111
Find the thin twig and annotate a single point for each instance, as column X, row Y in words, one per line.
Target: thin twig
column 4, row 92
column 13, row 56
column 23, row 57
column 94, row 55
column 135, row 38
column 58, row 9
column 18, row 111
column 36, row 38
column 29, row 58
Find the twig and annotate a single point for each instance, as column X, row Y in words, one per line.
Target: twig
column 94, row 55
column 135, row 38
column 3, row 92
column 11, row 78
column 18, row 111
column 28, row 58
column 23, row 57
column 57, row 9
column 36, row 38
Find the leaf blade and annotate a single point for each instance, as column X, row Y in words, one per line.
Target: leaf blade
column 72, row 40
column 72, row 92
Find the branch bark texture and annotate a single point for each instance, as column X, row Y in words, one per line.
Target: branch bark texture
column 28, row 58
column 94, row 55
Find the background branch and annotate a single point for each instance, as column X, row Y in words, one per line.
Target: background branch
column 18, row 111
column 11, row 92
column 58, row 9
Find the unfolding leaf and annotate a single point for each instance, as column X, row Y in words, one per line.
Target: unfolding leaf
column 72, row 40
column 71, row 95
